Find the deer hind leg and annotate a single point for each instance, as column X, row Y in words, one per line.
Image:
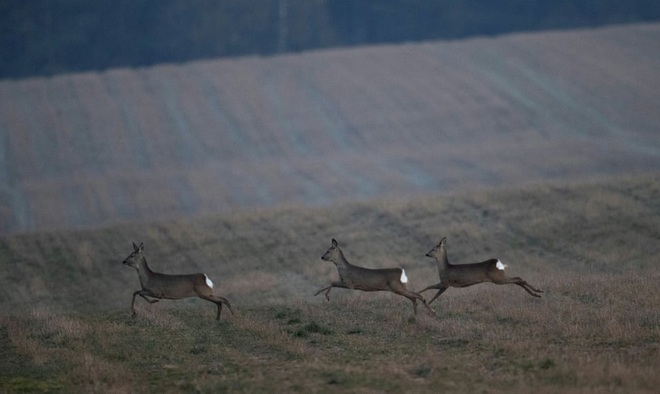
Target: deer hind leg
column 441, row 289
column 521, row 282
column 528, row 285
column 412, row 296
column 219, row 301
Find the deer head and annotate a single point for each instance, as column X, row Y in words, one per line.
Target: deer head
column 134, row 258
column 333, row 253
column 435, row 252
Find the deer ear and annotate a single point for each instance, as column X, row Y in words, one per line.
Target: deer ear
column 334, row 243
column 135, row 247
column 141, row 246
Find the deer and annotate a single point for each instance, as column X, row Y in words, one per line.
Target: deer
column 359, row 278
column 159, row 286
column 464, row 275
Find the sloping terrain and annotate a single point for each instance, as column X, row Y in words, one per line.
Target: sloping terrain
column 322, row 127
column 261, row 257
column 66, row 326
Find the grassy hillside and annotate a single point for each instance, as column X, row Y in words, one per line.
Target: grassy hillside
column 172, row 141
column 66, row 325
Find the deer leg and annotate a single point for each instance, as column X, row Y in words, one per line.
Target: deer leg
column 520, row 282
column 220, row 301
column 412, row 296
column 327, row 289
column 133, row 303
column 528, row 285
column 428, row 307
column 528, row 290
column 148, row 300
column 435, row 286
column 216, row 299
column 440, row 291
column 441, row 288
column 141, row 294
column 326, row 294
column 223, row 300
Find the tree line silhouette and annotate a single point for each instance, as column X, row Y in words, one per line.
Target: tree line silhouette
column 46, row 37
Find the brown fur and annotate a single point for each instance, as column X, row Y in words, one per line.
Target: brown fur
column 365, row 279
column 170, row 287
column 464, row 275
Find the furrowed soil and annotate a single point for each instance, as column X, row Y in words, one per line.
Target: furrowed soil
column 593, row 247
column 324, row 127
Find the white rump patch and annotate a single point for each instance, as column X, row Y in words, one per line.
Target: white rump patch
column 500, row 266
column 208, row 281
column 404, row 278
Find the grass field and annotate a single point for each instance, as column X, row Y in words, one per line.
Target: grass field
column 65, row 322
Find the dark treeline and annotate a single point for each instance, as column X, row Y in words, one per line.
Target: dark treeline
column 45, row 37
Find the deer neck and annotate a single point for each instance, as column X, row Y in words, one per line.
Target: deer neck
column 341, row 262
column 443, row 262
column 144, row 272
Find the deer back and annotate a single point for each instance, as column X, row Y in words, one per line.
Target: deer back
column 177, row 286
column 469, row 274
column 371, row 279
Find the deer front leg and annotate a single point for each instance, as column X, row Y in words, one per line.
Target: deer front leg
column 441, row 289
column 142, row 294
column 133, row 303
column 327, row 289
column 148, row 300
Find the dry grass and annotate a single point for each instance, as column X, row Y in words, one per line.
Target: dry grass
column 66, row 325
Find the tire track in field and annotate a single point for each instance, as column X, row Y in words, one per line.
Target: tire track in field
column 287, row 123
column 240, row 146
column 188, row 148
column 329, row 114
column 129, row 118
column 19, row 208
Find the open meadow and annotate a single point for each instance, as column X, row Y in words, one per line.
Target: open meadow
column 539, row 149
column 593, row 247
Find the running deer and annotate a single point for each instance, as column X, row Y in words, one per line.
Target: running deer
column 365, row 279
column 464, row 275
column 171, row 287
